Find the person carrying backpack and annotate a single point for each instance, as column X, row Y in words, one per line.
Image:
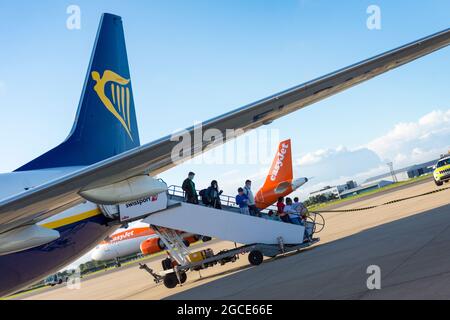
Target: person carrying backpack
column 188, row 187
column 213, row 195
column 202, row 194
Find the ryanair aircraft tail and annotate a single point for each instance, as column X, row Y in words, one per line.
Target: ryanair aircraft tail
column 105, row 124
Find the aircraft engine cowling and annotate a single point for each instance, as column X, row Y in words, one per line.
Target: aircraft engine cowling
column 131, row 189
column 151, row 246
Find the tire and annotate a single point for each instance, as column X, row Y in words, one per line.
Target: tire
column 166, row 264
column 161, row 245
column 438, row 183
column 206, row 238
column 170, row 280
column 183, row 277
column 255, row 257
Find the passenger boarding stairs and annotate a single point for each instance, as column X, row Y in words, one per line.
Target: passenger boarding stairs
column 169, row 210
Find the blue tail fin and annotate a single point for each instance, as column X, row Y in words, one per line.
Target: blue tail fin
column 105, row 124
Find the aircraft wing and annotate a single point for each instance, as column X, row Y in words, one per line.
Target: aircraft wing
column 155, row 157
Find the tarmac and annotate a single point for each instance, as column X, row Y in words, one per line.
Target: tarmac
column 408, row 242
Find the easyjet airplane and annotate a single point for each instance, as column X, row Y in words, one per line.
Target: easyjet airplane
column 49, row 207
column 138, row 237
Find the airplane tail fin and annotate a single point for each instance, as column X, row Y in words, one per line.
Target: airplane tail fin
column 279, row 178
column 105, row 124
column 281, row 169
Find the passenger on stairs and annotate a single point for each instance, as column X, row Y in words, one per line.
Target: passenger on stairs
column 251, row 199
column 213, row 195
column 188, row 187
column 300, row 208
column 293, row 214
column 280, row 205
column 242, row 202
column 271, row 216
column 302, row 213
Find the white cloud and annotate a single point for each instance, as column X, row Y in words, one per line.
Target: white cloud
column 406, row 144
column 413, row 142
column 319, row 155
column 335, row 163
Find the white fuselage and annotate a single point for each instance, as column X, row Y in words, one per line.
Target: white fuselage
column 117, row 249
column 16, row 182
column 12, row 183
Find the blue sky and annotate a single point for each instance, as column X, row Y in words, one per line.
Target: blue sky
column 192, row 60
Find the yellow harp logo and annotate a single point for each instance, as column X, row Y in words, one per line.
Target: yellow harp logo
column 120, row 96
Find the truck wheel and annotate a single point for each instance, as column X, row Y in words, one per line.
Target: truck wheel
column 438, row 183
column 166, row 264
column 255, row 257
column 183, row 277
column 170, row 280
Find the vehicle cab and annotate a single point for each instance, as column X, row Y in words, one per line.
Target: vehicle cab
column 53, row 280
column 441, row 171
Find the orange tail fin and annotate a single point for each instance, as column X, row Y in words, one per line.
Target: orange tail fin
column 279, row 178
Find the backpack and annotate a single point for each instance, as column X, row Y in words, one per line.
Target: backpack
column 204, row 197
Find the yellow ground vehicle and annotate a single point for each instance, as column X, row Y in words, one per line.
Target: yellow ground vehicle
column 441, row 172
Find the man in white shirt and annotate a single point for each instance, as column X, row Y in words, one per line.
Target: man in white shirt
column 296, row 213
column 300, row 207
column 251, row 199
column 293, row 214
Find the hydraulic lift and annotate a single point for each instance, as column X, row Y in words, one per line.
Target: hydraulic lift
column 176, row 266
